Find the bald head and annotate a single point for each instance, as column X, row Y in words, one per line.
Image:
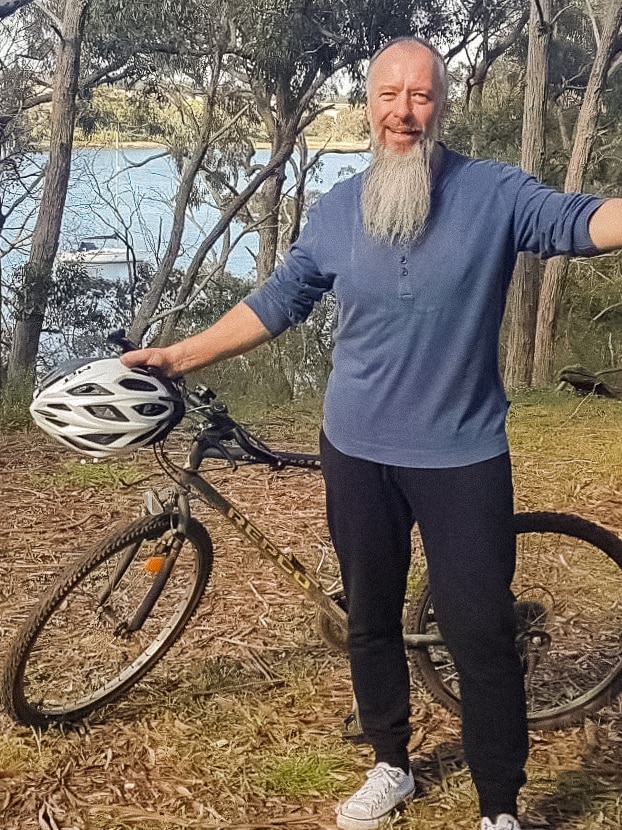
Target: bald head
column 408, row 47
column 406, row 94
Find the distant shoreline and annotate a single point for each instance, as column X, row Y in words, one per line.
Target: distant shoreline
column 313, row 144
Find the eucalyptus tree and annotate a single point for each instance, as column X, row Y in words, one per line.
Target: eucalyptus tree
column 522, row 305
column 55, row 35
column 607, row 21
column 37, row 272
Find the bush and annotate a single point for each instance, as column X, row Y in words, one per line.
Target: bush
column 15, row 398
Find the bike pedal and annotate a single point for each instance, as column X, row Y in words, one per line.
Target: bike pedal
column 352, row 731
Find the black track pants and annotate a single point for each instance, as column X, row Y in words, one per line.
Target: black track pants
column 465, row 519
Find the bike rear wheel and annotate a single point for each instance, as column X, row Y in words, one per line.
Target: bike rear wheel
column 568, row 590
column 77, row 650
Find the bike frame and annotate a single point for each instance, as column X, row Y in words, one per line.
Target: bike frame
column 191, row 481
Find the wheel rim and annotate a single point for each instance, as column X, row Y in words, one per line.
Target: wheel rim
column 83, row 654
column 576, row 661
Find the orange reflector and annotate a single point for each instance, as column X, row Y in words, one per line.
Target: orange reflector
column 153, row 564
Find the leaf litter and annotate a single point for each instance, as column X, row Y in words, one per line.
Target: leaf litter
column 251, row 688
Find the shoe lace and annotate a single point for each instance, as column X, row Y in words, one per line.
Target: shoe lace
column 379, row 782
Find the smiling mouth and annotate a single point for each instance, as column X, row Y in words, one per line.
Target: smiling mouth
column 414, row 133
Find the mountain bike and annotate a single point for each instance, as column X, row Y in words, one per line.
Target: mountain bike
column 114, row 612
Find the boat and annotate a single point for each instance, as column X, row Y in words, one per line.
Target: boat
column 100, row 256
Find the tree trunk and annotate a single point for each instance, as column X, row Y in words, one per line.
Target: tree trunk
column 554, row 280
column 160, row 280
column 37, row 273
column 522, row 307
column 270, row 201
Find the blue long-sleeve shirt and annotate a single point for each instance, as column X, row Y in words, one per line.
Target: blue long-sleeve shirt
column 415, row 379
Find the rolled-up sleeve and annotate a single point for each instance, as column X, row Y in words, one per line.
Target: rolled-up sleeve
column 550, row 223
column 289, row 294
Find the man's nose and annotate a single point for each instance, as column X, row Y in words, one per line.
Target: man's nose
column 401, row 107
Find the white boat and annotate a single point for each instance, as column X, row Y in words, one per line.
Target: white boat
column 100, row 256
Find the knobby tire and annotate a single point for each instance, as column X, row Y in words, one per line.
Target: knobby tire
column 74, row 654
column 569, row 579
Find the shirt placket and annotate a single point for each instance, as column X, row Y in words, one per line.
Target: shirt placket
column 404, row 281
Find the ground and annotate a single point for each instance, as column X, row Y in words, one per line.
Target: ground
column 239, row 727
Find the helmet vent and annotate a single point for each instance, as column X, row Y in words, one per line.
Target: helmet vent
column 150, row 410
column 138, row 385
column 107, row 412
column 54, row 421
column 89, row 389
column 103, row 439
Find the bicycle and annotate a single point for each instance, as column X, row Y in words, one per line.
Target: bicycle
column 111, row 615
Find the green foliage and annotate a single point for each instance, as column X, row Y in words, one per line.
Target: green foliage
column 343, row 125
column 15, row 398
column 110, row 115
column 82, row 309
column 590, row 328
column 295, row 365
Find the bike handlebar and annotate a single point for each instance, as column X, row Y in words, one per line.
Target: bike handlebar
column 218, row 426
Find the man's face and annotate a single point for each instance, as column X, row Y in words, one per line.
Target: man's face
column 405, row 98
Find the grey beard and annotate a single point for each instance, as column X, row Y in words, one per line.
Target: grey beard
column 396, row 193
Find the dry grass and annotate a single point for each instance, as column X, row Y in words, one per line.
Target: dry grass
column 239, row 727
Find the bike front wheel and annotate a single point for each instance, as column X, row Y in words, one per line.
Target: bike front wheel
column 106, row 621
column 568, row 592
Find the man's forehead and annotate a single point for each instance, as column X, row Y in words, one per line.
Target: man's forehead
column 408, row 55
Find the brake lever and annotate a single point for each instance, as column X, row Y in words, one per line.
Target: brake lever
column 118, row 339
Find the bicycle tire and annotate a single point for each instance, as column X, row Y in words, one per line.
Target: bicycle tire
column 570, row 570
column 74, row 654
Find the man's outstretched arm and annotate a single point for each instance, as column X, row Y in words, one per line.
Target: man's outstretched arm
column 605, row 225
column 236, row 332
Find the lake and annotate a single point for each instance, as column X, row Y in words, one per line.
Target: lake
column 134, row 188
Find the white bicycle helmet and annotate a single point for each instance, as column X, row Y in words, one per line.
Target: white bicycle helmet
column 101, row 408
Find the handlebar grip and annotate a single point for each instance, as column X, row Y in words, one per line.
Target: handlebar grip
column 117, row 338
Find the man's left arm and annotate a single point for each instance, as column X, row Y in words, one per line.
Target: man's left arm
column 605, row 225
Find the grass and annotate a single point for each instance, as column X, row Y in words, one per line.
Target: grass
column 302, row 772
column 16, row 755
column 87, row 474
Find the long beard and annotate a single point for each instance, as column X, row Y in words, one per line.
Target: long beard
column 396, row 193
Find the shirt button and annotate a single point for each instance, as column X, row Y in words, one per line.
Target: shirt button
column 404, row 272
column 403, row 260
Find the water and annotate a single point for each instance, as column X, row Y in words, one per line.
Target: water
column 134, row 189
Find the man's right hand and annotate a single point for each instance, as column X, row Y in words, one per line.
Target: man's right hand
column 158, row 358
column 236, row 332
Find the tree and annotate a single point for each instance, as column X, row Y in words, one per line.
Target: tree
column 499, row 27
column 555, row 273
column 38, row 270
column 523, row 295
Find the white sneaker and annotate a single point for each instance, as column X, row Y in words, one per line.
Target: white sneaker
column 386, row 789
column 503, row 822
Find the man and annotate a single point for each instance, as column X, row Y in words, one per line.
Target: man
column 419, row 251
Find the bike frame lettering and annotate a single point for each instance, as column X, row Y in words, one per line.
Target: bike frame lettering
column 288, row 564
